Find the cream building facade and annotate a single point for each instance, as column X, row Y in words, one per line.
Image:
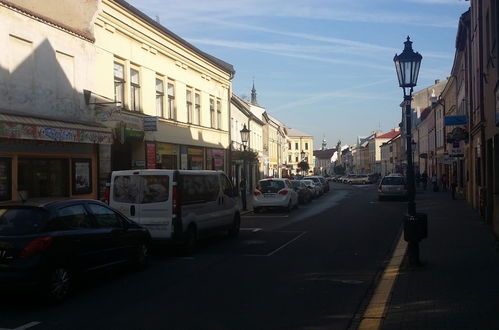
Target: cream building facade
column 172, row 100
column 299, row 141
column 50, row 142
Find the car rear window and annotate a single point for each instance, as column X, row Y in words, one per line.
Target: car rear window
column 393, row 181
column 271, row 186
column 22, row 221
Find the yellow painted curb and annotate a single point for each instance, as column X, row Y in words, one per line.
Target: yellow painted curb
column 375, row 312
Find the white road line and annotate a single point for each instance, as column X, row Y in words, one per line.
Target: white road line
column 279, row 248
column 25, row 326
column 251, row 229
column 268, row 216
column 283, row 246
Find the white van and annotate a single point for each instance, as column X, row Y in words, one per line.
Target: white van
column 177, row 205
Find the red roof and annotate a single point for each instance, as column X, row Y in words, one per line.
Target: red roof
column 389, row 135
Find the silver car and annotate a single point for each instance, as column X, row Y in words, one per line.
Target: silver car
column 392, row 185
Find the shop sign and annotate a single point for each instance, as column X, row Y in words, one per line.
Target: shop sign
column 33, row 132
column 166, row 148
column 456, row 149
column 150, row 124
column 133, row 133
column 151, row 155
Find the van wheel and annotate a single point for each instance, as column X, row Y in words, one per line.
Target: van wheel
column 190, row 239
column 236, row 225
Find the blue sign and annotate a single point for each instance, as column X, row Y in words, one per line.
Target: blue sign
column 455, row 120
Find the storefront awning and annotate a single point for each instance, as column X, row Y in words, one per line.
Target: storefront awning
column 31, row 128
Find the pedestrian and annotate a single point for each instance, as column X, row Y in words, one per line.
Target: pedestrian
column 453, row 186
column 434, row 182
column 424, row 180
column 443, row 182
column 242, row 188
column 418, row 179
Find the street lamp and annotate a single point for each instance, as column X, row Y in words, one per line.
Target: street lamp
column 407, row 65
column 245, row 133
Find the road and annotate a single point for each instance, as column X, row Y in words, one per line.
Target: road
column 313, row 268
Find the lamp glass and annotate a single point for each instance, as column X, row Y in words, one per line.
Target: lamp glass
column 244, row 134
column 407, row 65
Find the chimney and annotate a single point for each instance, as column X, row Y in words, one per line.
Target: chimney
column 437, row 81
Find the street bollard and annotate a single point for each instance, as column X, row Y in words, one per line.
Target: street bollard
column 415, row 229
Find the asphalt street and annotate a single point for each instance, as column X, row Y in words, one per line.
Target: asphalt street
column 313, row 268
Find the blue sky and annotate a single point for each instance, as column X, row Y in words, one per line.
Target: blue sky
column 324, row 67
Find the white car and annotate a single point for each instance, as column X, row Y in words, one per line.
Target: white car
column 274, row 193
column 316, row 188
column 392, row 185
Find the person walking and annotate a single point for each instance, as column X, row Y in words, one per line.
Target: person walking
column 453, row 186
column 424, row 180
column 242, row 188
column 443, row 182
column 434, row 182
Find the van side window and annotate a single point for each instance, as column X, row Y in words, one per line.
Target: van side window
column 193, row 189
column 126, row 189
column 227, row 186
column 212, row 187
column 156, row 188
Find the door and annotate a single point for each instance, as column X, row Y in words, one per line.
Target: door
column 126, row 194
column 156, row 205
column 119, row 241
column 228, row 200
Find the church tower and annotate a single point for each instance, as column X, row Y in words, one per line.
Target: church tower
column 253, row 95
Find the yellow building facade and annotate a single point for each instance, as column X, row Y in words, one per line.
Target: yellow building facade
column 166, row 101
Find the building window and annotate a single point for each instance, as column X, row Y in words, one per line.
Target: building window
column 171, row 102
column 306, row 145
column 296, row 159
column 212, row 113
column 134, row 90
column 188, row 98
column 296, row 145
column 219, row 115
column 119, row 83
column 289, row 145
column 197, row 109
column 289, row 158
column 160, row 98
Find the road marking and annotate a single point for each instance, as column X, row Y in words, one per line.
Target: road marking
column 269, row 216
column 375, row 312
column 25, row 326
column 251, row 229
column 279, row 248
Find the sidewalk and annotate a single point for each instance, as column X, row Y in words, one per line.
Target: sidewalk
column 458, row 285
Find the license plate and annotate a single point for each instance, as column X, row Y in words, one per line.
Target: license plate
column 269, row 195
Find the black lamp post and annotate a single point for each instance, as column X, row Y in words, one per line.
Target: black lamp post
column 245, row 132
column 407, row 65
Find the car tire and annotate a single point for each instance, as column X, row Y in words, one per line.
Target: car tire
column 236, row 225
column 190, row 239
column 58, row 285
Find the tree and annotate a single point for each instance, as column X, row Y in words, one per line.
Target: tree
column 303, row 166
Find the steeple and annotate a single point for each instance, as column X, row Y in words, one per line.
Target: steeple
column 324, row 143
column 253, row 95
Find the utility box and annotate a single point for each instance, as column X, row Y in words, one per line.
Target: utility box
column 415, row 227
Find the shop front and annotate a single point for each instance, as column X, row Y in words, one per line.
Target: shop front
column 45, row 158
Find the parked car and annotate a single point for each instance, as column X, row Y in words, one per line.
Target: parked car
column 392, row 185
column 48, row 244
column 305, row 194
column 274, row 192
column 322, row 183
column 360, row 179
column 314, row 188
column 177, row 206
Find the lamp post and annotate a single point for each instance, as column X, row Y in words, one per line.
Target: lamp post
column 302, row 154
column 407, row 65
column 245, row 132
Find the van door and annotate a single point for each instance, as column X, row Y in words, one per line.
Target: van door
column 125, row 194
column 156, row 205
column 228, row 200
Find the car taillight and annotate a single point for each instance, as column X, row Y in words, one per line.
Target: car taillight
column 174, row 200
column 257, row 192
column 283, row 192
column 36, row 246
